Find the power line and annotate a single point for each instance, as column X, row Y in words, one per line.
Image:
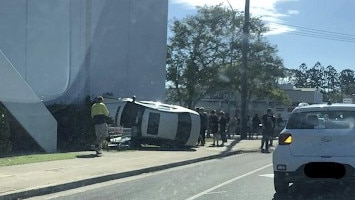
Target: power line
column 317, row 30
column 320, row 34
column 322, row 37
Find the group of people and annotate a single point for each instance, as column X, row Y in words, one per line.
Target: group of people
column 217, row 124
column 221, row 126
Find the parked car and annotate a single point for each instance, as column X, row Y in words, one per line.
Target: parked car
column 317, row 145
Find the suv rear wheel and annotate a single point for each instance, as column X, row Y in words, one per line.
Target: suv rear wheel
column 280, row 184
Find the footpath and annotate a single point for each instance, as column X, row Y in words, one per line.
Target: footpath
column 28, row 180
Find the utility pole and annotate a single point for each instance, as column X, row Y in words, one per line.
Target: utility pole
column 244, row 72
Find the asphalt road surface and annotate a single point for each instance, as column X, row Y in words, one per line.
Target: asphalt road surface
column 242, row 177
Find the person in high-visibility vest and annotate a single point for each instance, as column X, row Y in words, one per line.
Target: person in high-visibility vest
column 99, row 114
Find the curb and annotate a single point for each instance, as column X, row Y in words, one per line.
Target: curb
column 90, row 181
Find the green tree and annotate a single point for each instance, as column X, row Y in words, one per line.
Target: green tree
column 332, row 85
column 196, row 49
column 331, row 78
column 265, row 69
column 347, row 81
column 316, row 78
column 204, row 56
column 300, row 76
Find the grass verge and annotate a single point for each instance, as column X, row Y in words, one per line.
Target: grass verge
column 34, row 158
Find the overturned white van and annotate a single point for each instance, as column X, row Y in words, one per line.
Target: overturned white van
column 156, row 123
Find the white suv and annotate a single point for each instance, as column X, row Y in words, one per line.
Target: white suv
column 317, row 144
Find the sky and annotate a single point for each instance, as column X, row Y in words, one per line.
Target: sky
column 304, row 31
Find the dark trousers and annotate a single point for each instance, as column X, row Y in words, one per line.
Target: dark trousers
column 267, row 135
column 265, row 142
column 223, row 136
column 202, row 137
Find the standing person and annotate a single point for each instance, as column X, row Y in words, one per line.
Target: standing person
column 99, row 113
column 232, row 126
column 213, row 124
column 268, row 121
column 250, row 127
column 278, row 127
column 197, row 109
column 204, row 125
column 256, row 124
column 279, row 120
column 228, row 118
column 237, row 129
column 222, row 122
column 208, row 131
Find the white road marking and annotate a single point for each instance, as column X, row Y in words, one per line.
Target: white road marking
column 227, row 182
column 220, row 192
column 6, row 175
column 268, row 175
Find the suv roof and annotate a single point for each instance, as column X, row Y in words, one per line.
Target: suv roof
column 316, row 107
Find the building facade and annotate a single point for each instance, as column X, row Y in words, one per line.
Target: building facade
column 69, row 49
column 61, row 51
column 229, row 102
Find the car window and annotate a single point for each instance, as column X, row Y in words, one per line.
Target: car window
column 322, row 120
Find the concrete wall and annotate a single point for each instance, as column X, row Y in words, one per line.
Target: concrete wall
column 65, row 50
column 26, row 107
column 132, row 33
column 68, row 49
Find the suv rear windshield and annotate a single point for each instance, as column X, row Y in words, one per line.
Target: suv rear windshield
column 322, row 120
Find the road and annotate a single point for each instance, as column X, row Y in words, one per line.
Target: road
column 242, row 177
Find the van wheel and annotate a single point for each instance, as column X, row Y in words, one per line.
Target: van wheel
column 280, row 185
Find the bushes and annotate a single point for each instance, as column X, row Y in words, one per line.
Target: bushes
column 75, row 130
column 5, row 142
column 14, row 138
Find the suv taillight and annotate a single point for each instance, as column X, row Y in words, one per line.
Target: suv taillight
column 285, row 139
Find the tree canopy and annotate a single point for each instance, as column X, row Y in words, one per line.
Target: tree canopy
column 204, row 56
column 334, row 85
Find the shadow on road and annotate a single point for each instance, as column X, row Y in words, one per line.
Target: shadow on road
column 309, row 191
column 86, row 156
column 231, row 145
column 162, row 148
